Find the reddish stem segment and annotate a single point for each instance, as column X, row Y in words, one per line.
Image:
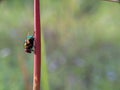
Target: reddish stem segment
column 37, row 53
column 118, row 1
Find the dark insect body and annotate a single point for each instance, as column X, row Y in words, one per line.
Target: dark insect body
column 29, row 43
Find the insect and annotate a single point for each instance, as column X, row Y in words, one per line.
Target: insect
column 29, row 43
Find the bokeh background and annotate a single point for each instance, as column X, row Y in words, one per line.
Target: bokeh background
column 80, row 45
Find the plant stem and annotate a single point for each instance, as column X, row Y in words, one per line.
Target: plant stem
column 37, row 52
column 113, row 1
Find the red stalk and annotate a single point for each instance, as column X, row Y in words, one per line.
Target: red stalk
column 37, row 53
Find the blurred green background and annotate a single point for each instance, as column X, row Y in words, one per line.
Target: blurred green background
column 80, row 48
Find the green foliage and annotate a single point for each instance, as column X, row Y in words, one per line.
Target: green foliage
column 82, row 43
column 44, row 77
column 15, row 21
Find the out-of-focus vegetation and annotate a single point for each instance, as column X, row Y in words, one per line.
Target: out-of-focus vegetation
column 44, row 75
column 82, row 45
column 16, row 67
